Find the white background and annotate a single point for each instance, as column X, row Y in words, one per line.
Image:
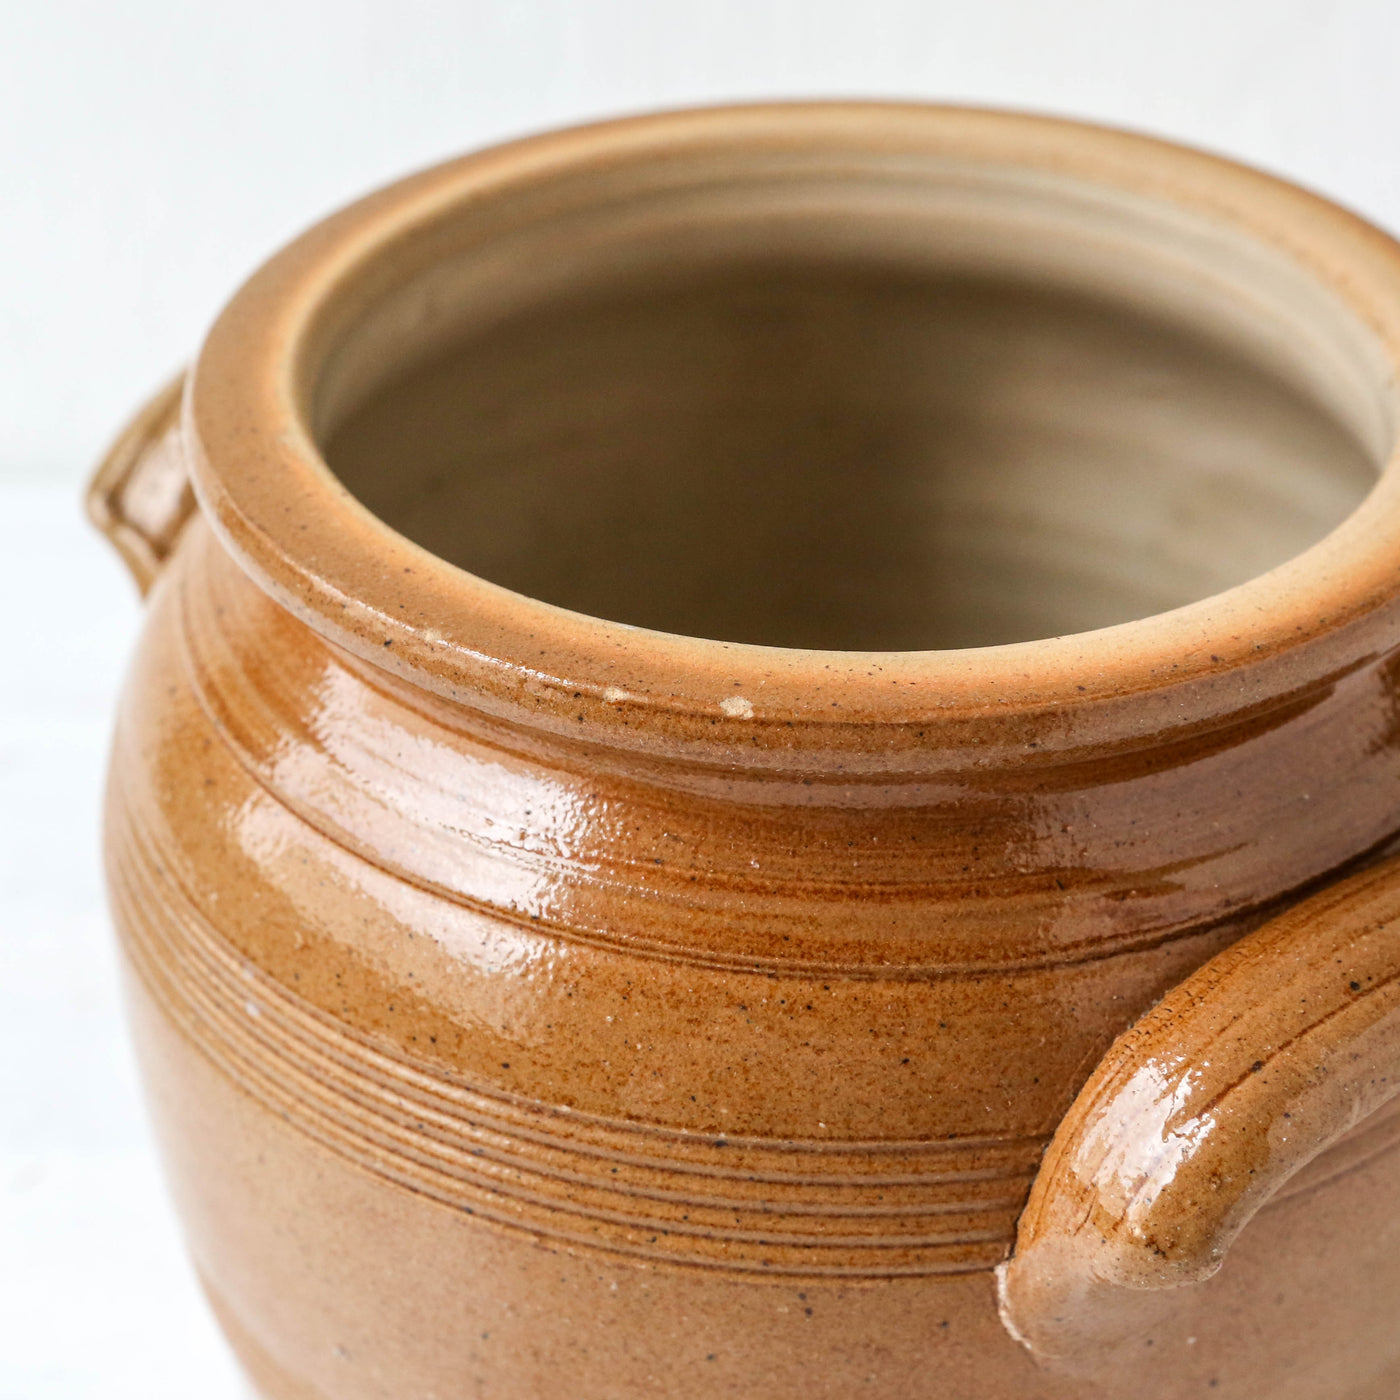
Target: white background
column 151, row 154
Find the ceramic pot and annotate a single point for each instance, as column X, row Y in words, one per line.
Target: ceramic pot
column 762, row 764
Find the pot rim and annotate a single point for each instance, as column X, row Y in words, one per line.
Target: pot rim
column 299, row 533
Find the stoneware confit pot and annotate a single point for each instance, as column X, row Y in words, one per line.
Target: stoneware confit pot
column 762, row 765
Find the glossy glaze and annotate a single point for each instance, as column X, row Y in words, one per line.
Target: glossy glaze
column 533, row 1004
column 1209, row 1107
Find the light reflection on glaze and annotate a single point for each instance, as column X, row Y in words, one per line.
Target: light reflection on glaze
column 1130, row 1155
column 380, row 920
column 467, row 795
column 470, row 822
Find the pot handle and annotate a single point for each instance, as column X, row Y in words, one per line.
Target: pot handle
column 140, row 495
column 1199, row 1113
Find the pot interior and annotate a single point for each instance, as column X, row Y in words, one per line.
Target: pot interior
column 858, row 443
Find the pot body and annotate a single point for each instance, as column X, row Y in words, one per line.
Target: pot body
column 494, row 1055
column 429, row 1144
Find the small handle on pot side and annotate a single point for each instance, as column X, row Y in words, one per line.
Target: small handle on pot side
column 140, row 496
column 1199, row 1113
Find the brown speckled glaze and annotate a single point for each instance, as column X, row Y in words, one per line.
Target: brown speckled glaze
column 535, row 1005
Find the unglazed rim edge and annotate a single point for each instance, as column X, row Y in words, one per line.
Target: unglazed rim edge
column 359, row 582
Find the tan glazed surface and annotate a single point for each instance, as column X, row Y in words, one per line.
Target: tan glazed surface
column 763, row 765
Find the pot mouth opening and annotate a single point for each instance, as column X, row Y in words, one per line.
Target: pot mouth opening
column 789, row 390
column 889, row 409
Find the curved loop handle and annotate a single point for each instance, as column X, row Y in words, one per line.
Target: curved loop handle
column 140, row 496
column 1200, row 1112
